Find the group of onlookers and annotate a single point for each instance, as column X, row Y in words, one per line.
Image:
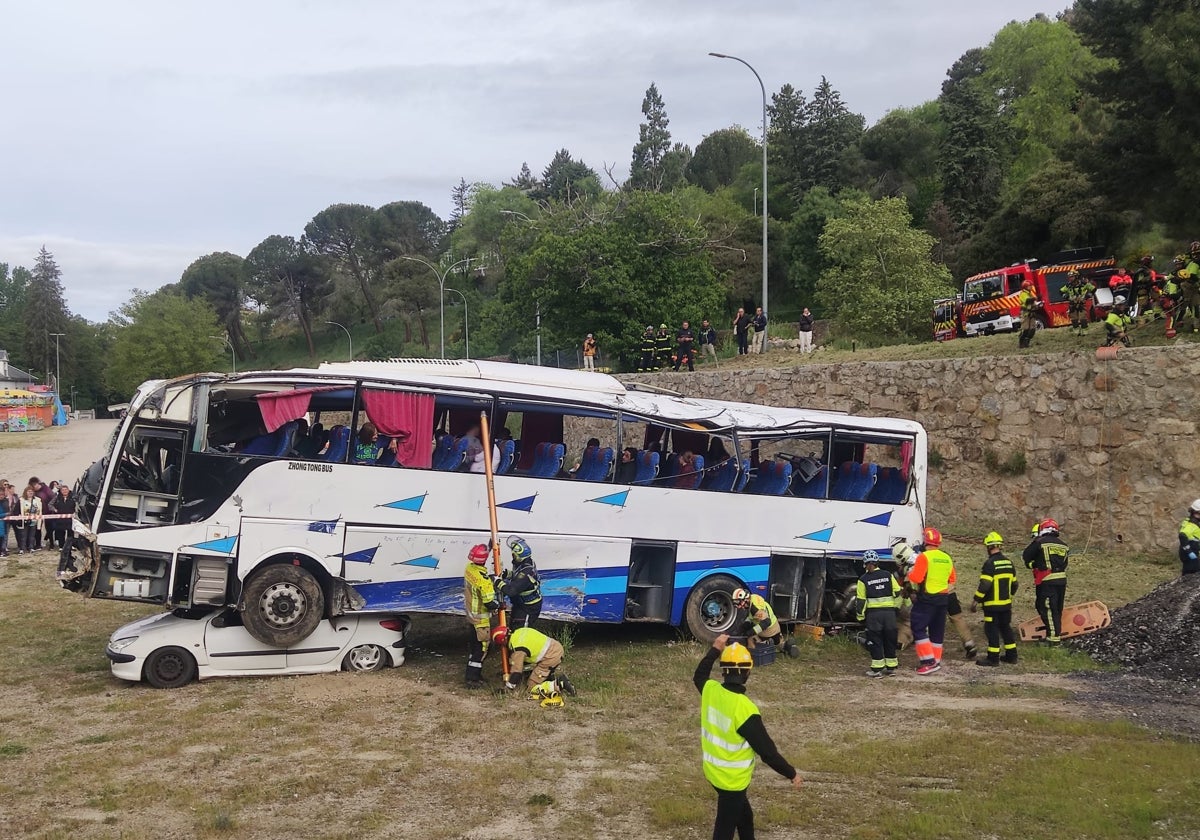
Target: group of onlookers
column 37, row 517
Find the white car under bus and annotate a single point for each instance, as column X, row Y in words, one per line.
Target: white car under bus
column 172, row 649
column 221, row 490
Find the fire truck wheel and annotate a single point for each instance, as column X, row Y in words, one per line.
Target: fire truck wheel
column 283, row 605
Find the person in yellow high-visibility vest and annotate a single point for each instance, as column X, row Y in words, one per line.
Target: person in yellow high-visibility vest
column 931, row 577
column 760, row 625
column 731, row 734
column 529, row 648
column 479, row 602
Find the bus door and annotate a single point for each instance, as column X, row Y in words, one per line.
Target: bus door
column 796, row 586
column 651, row 581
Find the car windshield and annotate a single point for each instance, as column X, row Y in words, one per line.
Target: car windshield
column 985, row 288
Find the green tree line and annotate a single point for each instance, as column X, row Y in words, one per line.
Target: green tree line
column 1061, row 132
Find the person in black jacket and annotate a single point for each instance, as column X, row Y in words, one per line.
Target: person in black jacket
column 741, row 329
column 521, row 586
column 708, row 340
column 806, row 331
column 683, row 350
column 62, row 503
column 627, row 466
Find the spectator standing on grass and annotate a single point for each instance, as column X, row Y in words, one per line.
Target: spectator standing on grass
column 708, row 339
column 760, row 331
column 684, row 339
column 589, row 352
column 45, row 494
column 731, row 733
column 5, row 526
column 806, row 331
column 62, row 504
column 1189, row 540
column 30, row 523
column 741, row 329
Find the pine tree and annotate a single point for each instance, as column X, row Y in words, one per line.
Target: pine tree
column 525, row 181
column 46, row 312
column 830, row 130
column 460, row 197
column 648, row 169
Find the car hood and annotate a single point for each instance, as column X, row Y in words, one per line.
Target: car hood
column 150, row 624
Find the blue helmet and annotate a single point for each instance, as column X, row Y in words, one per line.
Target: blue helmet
column 521, row 552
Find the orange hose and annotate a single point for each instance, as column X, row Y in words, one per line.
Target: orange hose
column 1106, row 354
column 491, row 496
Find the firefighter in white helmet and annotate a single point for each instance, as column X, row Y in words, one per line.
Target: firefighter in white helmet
column 1189, row 540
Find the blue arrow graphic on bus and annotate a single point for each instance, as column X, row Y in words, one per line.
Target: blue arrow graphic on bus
column 324, row 526
column 225, row 545
column 413, row 503
column 426, row 562
column 365, row 555
column 884, row 518
column 824, row 535
column 525, row 504
column 614, row 499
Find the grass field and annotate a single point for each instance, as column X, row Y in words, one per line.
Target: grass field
column 969, row 752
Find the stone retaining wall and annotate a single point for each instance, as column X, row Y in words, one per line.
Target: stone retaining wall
column 1110, row 449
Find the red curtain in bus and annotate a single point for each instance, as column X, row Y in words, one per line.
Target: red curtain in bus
column 408, row 418
column 282, row 407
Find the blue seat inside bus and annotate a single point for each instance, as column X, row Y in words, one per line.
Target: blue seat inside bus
column 890, row 487
column 854, row 481
column 773, row 479
column 814, row 488
column 596, row 462
column 442, row 450
column 548, row 459
column 743, row 476
column 723, row 477
column 456, row 457
column 274, row 445
column 387, row 457
column 339, row 442
column 508, row 451
column 690, row 479
column 647, row 467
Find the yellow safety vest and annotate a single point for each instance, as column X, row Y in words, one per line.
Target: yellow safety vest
column 478, row 591
column 939, row 570
column 531, row 640
column 728, row 758
column 759, row 604
column 1189, row 529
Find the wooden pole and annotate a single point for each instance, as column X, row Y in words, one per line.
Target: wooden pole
column 491, row 497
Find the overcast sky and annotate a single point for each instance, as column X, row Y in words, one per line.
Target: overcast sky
column 140, row 135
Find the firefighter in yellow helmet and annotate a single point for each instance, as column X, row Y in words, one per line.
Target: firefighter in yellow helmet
column 997, row 586
column 760, row 624
column 479, row 600
column 731, row 733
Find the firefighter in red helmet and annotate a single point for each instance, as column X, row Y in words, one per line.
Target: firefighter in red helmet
column 1048, row 556
column 479, row 600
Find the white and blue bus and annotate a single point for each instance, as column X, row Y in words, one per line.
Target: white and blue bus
column 248, row 490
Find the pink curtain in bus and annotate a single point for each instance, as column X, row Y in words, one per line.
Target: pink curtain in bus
column 906, row 453
column 282, row 407
column 408, row 418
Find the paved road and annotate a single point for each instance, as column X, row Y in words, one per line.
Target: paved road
column 59, row 453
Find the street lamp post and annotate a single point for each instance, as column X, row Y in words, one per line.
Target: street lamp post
column 764, row 167
column 539, row 332
column 441, row 276
column 57, row 366
column 349, row 337
column 466, row 320
column 224, row 339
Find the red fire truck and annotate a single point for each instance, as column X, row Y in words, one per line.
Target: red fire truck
column 990, row 303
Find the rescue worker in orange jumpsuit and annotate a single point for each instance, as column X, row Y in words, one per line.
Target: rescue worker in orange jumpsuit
column 931, row 577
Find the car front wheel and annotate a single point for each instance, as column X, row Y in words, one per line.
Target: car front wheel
column 365, row 658
column 170, row 667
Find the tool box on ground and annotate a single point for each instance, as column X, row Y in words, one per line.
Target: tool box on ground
column 763, row 654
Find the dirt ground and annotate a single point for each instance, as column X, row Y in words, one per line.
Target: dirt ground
column 409, row 753
column 58, row 453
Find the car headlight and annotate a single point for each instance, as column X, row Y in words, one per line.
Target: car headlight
column 118, row 645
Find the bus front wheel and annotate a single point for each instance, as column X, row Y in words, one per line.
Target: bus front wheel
column 710, row 610
column 283, row 605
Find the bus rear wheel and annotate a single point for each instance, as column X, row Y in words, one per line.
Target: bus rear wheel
column 710, row 610
column 283, row 605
